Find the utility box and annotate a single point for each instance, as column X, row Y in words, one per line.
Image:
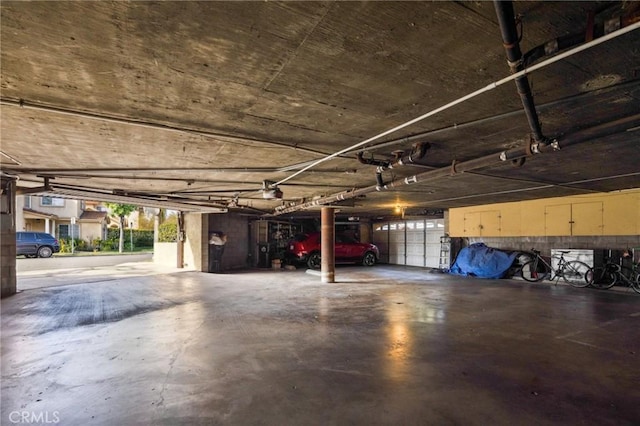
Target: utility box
column 264, row 257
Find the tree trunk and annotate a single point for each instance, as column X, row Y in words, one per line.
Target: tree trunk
column 121, row 245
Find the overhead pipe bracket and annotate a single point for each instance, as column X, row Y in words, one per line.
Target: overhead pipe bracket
column 411, row 179
column 535, row 148
column 379, row 181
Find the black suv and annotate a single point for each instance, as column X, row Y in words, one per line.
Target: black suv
column 36, row 244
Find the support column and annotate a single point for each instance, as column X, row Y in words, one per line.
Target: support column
column 8, row 236
column 196, row 247
column 181, row 238
column 328, row 242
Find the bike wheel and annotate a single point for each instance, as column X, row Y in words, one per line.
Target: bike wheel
column 635, row 285
column 602, row 278
column 576, row 273
column 533, row 271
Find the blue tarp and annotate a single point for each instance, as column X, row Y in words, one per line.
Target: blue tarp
column 481, row 261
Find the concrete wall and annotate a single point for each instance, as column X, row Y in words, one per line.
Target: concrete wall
column 195, row 247
column 237, row 230
column 165, row 254
column 73, row 262
column 19, row 214
column 90, row 230
column 546, row 244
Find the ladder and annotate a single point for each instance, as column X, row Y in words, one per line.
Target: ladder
column 445, row 254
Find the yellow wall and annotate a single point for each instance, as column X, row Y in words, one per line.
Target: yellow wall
column 613, row 213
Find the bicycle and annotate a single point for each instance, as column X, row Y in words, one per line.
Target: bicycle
column 573, row 272
column 608, row 275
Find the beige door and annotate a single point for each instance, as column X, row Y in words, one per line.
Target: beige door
column 557, row 220
column 586, row 219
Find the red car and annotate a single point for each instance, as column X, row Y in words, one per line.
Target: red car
column 305, row 248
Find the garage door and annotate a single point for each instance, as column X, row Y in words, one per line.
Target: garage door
column 414, row 243
column 409, row 242
column 396, row 243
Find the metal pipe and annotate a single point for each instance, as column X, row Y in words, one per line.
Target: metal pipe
column 511, row 42
column 459, row 126
column 585, row 135
column 120, row 170
column 458, row 101
column 371, row 161
column 590, row 33
column 418, row 152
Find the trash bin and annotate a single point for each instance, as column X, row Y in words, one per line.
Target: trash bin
column 217, row 240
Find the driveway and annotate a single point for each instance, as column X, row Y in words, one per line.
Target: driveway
column 58, row 271
column 68, row 262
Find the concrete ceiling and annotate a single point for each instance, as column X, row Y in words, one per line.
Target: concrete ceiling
column 199, row 103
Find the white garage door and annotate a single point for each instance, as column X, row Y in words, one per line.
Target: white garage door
column 409, row 242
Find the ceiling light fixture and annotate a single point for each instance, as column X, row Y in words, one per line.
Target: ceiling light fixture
column 270, row 192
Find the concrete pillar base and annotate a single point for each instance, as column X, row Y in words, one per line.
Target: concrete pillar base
column 8, row 237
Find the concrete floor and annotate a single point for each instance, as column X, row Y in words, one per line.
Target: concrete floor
column 386, row 345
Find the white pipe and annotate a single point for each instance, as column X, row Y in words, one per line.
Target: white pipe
column 487, row 88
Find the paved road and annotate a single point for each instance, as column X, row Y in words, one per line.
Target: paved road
column 60, row 271
column 67, row 262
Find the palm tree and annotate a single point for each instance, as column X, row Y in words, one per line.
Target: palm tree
column 121, row 210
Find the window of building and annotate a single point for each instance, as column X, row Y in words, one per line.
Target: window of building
column 51, row 201
column 64, row 231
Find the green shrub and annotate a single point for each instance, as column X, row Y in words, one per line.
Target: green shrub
column 79, row 245
column 141, row 238
column 168, row 232
column 95, row 244
column 110, row 243
column 65, row 247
